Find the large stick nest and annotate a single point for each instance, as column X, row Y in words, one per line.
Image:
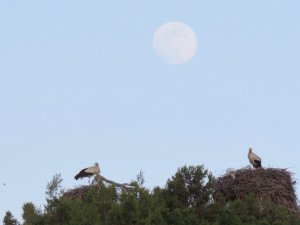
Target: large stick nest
column 275, row 184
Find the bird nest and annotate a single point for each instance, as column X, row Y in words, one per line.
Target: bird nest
column 270, row 183
column 77, row 192
column 98, row 183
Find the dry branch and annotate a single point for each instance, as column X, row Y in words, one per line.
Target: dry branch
column 126, row 186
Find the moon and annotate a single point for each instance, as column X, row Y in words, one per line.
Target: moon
column 175, row 42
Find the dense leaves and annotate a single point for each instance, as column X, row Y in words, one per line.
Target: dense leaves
column 187, row 199
column 9, row 219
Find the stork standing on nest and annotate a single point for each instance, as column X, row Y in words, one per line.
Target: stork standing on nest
column 254, row 159
column 88, row 172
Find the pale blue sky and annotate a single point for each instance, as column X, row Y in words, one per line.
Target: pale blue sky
column 80, row 83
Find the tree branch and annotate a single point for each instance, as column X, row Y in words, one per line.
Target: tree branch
column 126, row 186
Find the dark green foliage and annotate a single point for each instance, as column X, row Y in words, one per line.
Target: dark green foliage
column 191, row 187
column 187, row 199
column 53, row 208
column 9, row 219
column 30, row 214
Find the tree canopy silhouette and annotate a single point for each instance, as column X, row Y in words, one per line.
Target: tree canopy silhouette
column 190, row 197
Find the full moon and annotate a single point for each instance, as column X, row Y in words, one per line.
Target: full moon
column 175, row 42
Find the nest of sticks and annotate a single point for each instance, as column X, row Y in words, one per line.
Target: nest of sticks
column 97, row 183
column 270, row 183
column 77, row 192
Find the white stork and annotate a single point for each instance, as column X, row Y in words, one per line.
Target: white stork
column 88, row 172
column 254, row 159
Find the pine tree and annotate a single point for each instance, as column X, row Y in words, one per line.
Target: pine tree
column 9, row 219
column 188, row 198
column 30, row 214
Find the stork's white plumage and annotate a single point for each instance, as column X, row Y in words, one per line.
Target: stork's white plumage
column 254, row 159
column 88, row 172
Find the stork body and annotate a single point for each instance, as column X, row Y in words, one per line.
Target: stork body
column 88, row 172
column 254, row 159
